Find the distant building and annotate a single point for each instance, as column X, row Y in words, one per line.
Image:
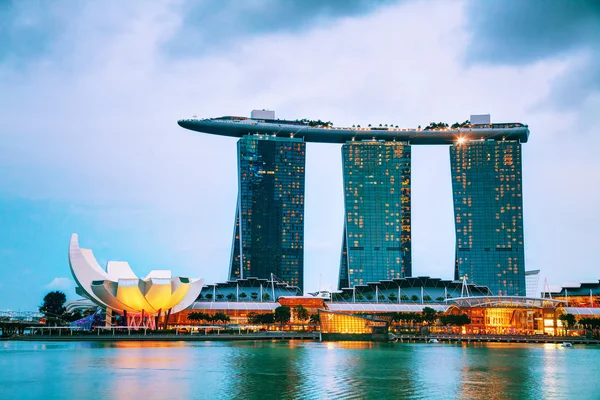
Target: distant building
column 488, row 212
column 269, row 222
column 531, row 281
column 376, row 243
column 580, row 295
column 414, row 290
column 247, row 289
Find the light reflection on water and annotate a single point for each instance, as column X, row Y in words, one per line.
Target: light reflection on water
column 264, row 370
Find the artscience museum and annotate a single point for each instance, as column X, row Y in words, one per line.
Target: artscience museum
column 142, row 302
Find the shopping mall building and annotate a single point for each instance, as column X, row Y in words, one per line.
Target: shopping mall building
column 487, row 314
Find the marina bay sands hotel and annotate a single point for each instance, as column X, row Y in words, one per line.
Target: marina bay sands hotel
column 268, row 238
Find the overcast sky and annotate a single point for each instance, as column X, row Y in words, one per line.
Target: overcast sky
column 90, row 93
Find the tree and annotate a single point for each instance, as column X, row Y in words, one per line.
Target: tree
column 268, row 318
column 266, row 296
column 568, row 321
column 369, row 296
column 439, row 298
column 196, row 316
column 381, row 297
column 457, row 320
column 392, row 297
column 314, row 318
column 220, row 296
column 414, row 298
column 230, row 296
column 243, row 295
column 254, row 295
column 252, row 317
column 301, row 313
column 282, row 315
column 429, row 314
column 404, row 297
column 360, row 297
column 53, row 305
column 209, row 296
column 220, row 317
column 427, row 298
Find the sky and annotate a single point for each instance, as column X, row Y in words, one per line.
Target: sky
column 90, row 95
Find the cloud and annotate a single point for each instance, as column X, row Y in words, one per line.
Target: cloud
column 60, row 284
column 223, row 24
column 91, row 129
column 516, row 32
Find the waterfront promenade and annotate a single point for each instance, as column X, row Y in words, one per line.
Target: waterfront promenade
column 291, row 335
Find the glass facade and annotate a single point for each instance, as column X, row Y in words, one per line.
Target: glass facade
column 377, row 238
column 269, row 224
column 349, row 324
column 488, row 215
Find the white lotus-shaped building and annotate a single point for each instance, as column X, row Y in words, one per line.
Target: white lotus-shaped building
column 119, row 289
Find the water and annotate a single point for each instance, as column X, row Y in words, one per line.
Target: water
column 295, row 370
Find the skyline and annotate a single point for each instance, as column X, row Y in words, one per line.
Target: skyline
column 91, row 144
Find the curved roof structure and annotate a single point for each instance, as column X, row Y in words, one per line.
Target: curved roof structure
column 241, row 126
column 120, row 289
column 505, row 301
column 582, row 310
column 384, row 307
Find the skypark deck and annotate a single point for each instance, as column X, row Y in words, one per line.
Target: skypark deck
column 241, row 126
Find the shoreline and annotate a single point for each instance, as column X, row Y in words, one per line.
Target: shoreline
column 286, row 336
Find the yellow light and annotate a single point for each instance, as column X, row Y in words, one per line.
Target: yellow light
column 460, row 140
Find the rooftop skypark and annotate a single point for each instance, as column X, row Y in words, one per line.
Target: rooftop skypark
column 324, row 132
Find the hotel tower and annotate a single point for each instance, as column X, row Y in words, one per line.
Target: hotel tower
column 269, row 221
column 376, row 241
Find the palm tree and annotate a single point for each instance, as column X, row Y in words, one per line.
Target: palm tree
column 266, row 296
column 220, row 296
column 568, row 321
column 282, row 315
column 392, row 297
column 230, row 296
column 243, row 295
column 429, row 314
column 414, row 298
column 427, row 298
column 314, row 318
column 254, row 295
column 193, row 316
column 301, row 314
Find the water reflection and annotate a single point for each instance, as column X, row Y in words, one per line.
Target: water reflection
column 294, row 370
